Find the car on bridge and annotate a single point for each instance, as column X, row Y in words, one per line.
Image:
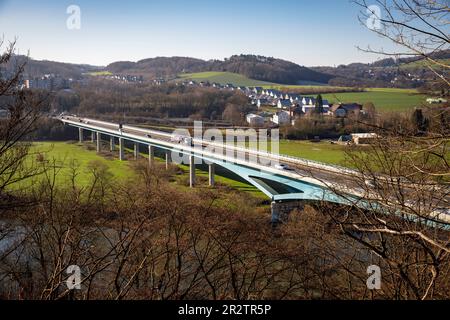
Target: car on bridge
column 188, row 141
column 282, row 166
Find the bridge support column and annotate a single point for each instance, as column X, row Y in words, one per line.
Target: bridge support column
column 136, row 151
column 112, row 144
column 212, row 172
column 80, row 134
column 121, row 149
column 151, row 155
column 281, row 210
column 93, row 136
column 167, row 159
column 99, row 141
column 191, row 171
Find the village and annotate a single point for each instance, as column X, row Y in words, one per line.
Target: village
column 278, row 108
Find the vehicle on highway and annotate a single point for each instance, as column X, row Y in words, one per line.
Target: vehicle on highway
column 176, row 139
column 282, row 166
column 370, row 183
column 188, row 141
column 148, row 136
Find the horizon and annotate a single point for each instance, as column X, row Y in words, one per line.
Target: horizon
column 296, row 31
column 169, row 57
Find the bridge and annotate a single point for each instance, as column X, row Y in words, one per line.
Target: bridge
column 287, row 189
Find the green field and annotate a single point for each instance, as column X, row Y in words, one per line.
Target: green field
column 240, row 80
column 224, row 78
column 421, row 64
column 65, row 156
column 383, row 99
column 322, row 151
column 100, row 73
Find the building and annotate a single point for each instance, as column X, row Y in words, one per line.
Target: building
column 262, row 102
column 281, row 118
column 283, row 104
column 308, row 101
column 363, row 138
column 436, row 100
column 344, row 110
column 295, row 98
column 254, row 120
column 258, row 90
column 159, row 82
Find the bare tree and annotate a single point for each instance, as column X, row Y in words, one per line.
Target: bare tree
column 19, row 113
column 416, row 27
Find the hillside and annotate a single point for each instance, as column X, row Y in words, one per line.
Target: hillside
column 254, row 67
column 160, row 67
column 411, row 72
column 37, row 68
column 224, row 78
column 269, row 70
column 254, row 70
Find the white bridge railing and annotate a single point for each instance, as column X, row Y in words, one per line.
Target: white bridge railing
column 280, row 157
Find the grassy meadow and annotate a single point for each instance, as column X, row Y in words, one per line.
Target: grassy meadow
column 69, row 155
column 384, row 99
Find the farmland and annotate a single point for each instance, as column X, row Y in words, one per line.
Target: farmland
column 68, row 156
column 224, row 78
column 384, row 99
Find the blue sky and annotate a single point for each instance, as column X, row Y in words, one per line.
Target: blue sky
column 317, row 32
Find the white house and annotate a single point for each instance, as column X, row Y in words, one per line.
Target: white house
column 436, row 100
column 363, row 138
column 308, row 101
column 284, row 103
column 258, row 90
column 296, row 99
column 308, row 108
column 281, row 118
column 262, row 102
column 255, row 120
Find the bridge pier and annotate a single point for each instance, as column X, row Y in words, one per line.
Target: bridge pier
column 136, row 151
column 121, row 149
column 80, row 134
column 167, row 159
column 151, row 155
column 93, row 136
column 191, row 171
column 281, row 210
column 112, row 144
column 212, row 172
column 99, row 141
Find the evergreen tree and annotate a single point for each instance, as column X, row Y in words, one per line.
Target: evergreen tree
column 319, row 105
column 420, row 122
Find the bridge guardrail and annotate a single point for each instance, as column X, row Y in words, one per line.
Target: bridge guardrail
column 287, row 158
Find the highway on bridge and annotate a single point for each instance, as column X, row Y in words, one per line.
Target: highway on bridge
column 301, row 180
column 307, row 170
